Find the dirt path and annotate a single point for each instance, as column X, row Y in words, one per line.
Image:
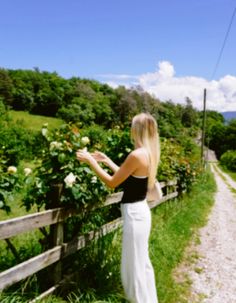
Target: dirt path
column 213, row 274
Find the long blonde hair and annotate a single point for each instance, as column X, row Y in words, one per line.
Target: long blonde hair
column 145, row 134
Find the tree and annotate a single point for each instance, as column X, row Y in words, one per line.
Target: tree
column 217, row 138
column 230, row 135
column 6, row 86
column 189, row 116
column 125, row 105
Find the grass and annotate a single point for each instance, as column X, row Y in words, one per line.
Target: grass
column 174, row 226
column 26, row 244
column 229, row 172
column 34, row 122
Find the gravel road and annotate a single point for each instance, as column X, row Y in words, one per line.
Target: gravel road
column 213, row 275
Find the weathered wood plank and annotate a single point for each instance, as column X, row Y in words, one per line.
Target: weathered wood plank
column 33, row 265
column 168, row 183
column 67, row 279
column 82, row 241
column 116, row 198
column 58, row 239
column 29, row 267
column 45, row 294
column 15, row 226
column 113, row 198
column 165, row 198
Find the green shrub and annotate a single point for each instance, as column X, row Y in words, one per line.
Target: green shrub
column 16, row 141
column 228, row 159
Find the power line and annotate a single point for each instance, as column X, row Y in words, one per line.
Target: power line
column 223, row 46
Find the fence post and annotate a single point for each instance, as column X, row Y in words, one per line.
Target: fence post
column 56, row 231
column 58, row 238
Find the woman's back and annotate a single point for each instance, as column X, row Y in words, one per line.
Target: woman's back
column 142, row 169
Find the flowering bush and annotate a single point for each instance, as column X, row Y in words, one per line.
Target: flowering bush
column 60, row 179
column 179, row 163
column 8, row 184
column 186, row 173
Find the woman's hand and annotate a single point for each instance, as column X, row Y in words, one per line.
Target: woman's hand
column 84, row 156
column 100, row 157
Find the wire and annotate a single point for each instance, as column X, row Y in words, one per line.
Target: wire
column 224, row 43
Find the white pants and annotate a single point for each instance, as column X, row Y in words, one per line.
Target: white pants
column 137, row 273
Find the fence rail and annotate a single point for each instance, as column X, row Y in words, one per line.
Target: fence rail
column 56, row 217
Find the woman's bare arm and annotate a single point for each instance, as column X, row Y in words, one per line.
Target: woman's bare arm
column 101, row 157
column 126, row 169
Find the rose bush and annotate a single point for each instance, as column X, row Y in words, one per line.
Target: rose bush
column 180, row 162
column 58, row 170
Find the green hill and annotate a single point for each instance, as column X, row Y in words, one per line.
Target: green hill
column 34, row 122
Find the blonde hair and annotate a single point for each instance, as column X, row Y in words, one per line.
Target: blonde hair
column 145, row 134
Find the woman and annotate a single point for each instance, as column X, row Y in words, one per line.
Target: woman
column 136, row 175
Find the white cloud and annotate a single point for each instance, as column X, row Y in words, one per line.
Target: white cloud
column 165, row 85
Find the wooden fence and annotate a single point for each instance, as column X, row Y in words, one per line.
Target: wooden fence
column 55, row 218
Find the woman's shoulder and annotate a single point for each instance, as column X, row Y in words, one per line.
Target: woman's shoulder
column 138, row 153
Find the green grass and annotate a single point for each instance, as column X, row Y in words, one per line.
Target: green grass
column 223, row 177
column 26, row 244
column 229, row 172
column 34, row 122
column 174, row 226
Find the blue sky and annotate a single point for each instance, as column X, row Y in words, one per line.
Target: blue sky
column 127, row 42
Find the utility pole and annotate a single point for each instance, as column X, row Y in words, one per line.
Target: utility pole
column 203, row 128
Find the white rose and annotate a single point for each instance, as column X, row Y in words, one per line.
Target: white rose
column 55, row 145
column 94, row 179
column 12, row 170
column 44, row 131
column 85, row 140
column 70, row 180
column 27, row 171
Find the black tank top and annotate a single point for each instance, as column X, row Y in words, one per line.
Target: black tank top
column 135, row 189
